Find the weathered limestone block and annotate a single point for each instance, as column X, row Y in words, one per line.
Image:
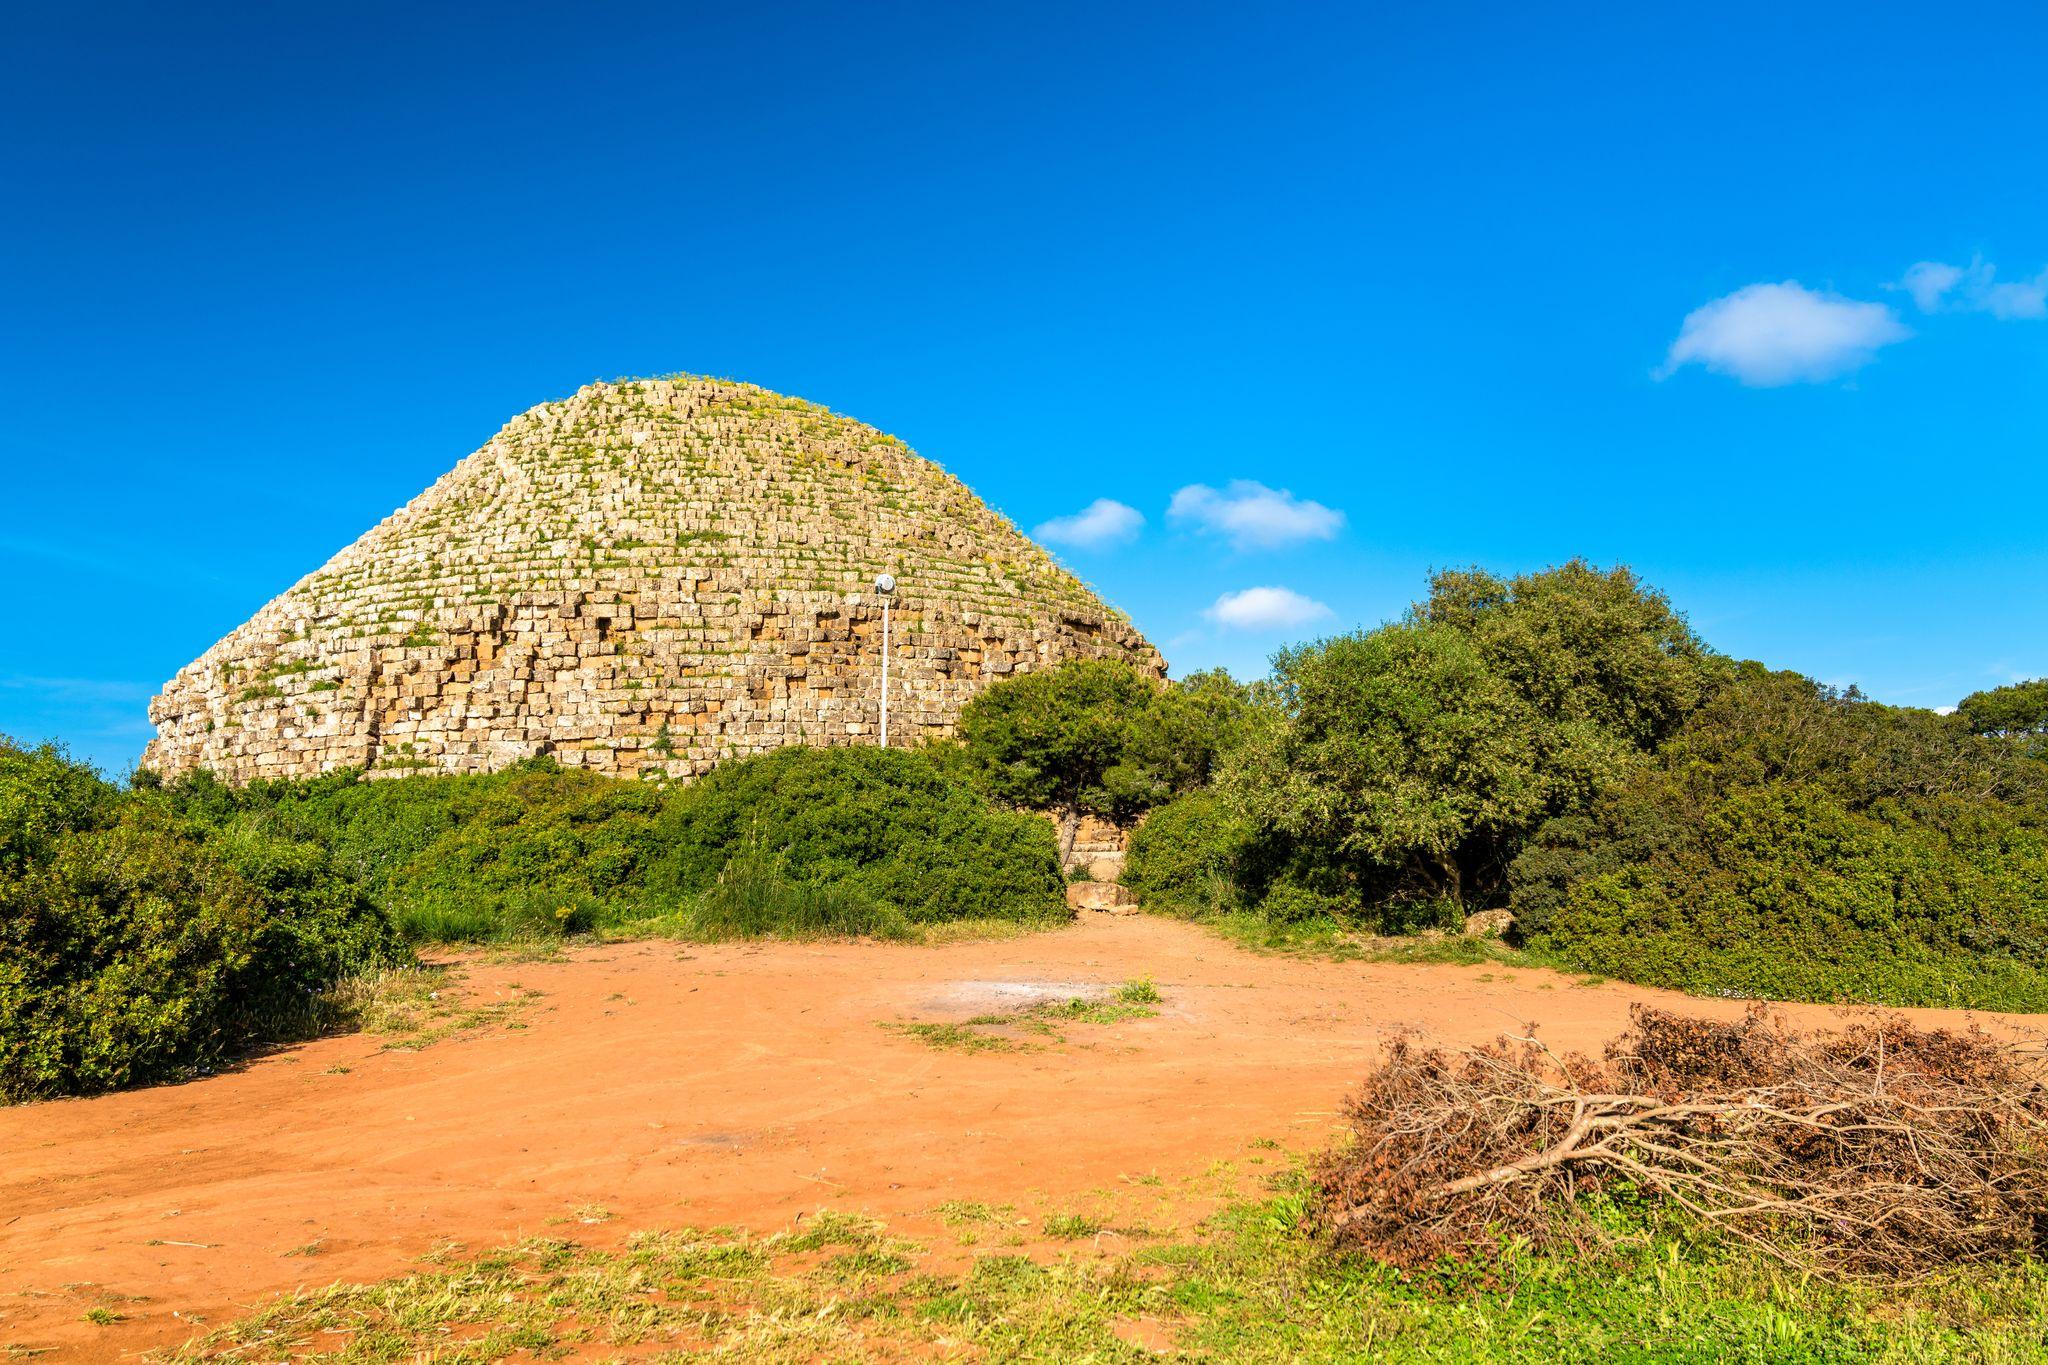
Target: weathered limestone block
column 1106, row 896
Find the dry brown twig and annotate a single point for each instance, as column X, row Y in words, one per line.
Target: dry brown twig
column 1881, row 1150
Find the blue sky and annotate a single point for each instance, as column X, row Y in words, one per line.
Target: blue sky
column 1470, row 283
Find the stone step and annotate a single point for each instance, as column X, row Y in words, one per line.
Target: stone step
column 1109, row 897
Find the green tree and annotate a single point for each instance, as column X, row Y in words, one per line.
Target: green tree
column 1391, row 755
column 1410, row 763
column 1177, row 743
column 1046, row 741
column 1607, row 668
column 2018, row 711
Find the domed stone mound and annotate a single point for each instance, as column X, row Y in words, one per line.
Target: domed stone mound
column 647, row 577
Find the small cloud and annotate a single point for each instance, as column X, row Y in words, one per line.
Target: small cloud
column 1253, row 516
column 1944, row 710
column 1266, row 609
column 1930, row 281
column 1938, row 287
column 1766, row 335
column 2028, row 299
column 1101, row 523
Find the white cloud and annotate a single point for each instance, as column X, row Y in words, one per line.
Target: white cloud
column 1101, row 523
column 1929, row 281
column 1254, row 516
column 2028, row 299
column 1770, row 334
column 1937, row 286
column 1266, row 609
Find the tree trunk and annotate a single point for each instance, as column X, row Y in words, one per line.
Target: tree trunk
column 1453, row 877
column 1070, row 830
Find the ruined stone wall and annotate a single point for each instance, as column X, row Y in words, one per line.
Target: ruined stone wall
column 646, row 578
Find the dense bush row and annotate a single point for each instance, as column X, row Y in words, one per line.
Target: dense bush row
column 1790, row 842
column 540, row 849
column 152, row 932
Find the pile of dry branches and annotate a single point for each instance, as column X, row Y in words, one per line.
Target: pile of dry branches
column 1880, row 1150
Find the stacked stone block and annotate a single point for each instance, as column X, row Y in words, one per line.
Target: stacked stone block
column 645, row 578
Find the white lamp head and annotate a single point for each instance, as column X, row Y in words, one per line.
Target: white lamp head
column 885, row 584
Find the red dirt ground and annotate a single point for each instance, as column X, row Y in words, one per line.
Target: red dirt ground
column 691, row 1086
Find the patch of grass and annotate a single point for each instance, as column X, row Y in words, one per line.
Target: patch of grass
column 416, row 1007
column 1132, row 1000
column 957, row 1213
column 1071, row 1227
column 979, row 930
column 1138, row 991
column 104, row 1317
column 690, row 926
column 1251, row 1286
column 1084, row 1011
column 1450, row 949
column 830, row 1228
column 1324, row 937
column 966, row 1037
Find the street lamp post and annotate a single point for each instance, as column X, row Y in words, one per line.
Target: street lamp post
column 885, row 587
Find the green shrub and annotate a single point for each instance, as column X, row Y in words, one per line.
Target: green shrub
column 1292, row 901
column 1183, row 858
column 536, row 851
column 1791, row 842
column 531, row 851
column 43, row 796
column 880, row 824
column 755, row 898
column 1786, row 894
column 137, row 946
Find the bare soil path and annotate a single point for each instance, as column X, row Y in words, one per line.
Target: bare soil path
column 677, row 1085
